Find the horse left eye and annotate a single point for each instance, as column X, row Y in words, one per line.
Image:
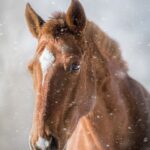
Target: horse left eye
column 74, row 67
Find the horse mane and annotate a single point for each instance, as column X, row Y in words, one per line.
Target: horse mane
column 109, row 48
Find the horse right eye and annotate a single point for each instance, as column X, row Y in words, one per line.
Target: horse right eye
column 74, row 67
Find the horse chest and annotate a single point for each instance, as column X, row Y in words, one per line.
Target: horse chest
column 83, row 138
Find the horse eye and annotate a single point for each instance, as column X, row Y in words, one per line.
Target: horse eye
column 74, row 67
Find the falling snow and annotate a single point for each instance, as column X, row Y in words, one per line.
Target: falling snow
column 129, row 128
column 132, row 36
column 120, row 74
column 145, row 140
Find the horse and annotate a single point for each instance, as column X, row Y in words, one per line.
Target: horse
column 85, row 98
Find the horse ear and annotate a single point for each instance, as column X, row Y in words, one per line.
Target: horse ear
column 34, row 21
column 75, row 16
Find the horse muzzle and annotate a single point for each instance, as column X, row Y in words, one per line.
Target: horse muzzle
column 44, row 144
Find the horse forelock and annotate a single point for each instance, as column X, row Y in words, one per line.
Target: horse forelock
column 55, row 25
column 58, row 15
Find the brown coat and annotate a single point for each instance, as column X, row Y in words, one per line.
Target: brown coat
column 86, row 100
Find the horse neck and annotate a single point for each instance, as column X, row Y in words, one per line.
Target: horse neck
column 109, row 117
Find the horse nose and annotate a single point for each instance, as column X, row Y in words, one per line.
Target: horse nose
column 44, row 144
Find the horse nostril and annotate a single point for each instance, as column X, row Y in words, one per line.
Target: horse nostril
column 44, row 144
column 54, row 143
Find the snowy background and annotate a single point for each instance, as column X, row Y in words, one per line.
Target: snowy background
column 126, row 21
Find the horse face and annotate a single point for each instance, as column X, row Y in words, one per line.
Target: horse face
column 64, row 90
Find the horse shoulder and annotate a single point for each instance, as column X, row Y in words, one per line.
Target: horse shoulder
column 139, row 102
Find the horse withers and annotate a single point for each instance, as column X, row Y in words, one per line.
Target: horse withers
column 85, row 99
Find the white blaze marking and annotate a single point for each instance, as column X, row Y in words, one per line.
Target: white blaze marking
column 42, row 143
column 120, row 74
column 46, row 60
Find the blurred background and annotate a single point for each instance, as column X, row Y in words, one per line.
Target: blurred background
column 126, row 21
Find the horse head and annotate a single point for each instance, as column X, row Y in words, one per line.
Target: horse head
column 63, row 77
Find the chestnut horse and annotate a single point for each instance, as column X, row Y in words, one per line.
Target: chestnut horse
column 85, row 99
